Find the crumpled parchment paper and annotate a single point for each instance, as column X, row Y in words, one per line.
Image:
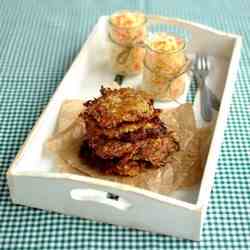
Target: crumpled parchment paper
column 183, row 169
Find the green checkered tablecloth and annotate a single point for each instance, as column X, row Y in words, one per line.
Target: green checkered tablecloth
column 38, row 42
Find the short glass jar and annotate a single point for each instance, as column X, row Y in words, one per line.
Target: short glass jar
column 127, row 33
column 165, row 65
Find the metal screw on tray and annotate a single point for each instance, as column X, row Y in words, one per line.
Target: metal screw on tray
column 112, row 196
column 119, row 79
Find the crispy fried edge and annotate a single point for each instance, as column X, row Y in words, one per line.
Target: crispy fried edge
column 92, row 108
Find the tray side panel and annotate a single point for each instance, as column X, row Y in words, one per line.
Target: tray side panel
column 208, row 176
column 143, row 213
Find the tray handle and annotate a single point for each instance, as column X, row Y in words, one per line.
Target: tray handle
column 102, row 197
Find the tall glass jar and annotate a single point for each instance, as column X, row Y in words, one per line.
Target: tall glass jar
column 127, row 32
column 165, row 65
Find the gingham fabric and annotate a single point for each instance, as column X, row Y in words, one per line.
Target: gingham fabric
column 38, row 42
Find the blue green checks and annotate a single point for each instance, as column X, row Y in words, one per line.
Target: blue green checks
column 38, row 42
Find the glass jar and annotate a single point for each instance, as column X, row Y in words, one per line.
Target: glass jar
column 165, row 65
column 127, row 32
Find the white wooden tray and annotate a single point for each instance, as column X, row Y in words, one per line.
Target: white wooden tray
column 33, row 178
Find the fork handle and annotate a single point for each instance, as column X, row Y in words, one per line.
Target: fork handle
column 205, row 101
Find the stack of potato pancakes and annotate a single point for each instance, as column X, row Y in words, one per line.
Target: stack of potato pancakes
column 124, row 133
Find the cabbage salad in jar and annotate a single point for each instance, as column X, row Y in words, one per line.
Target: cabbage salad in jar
column 127, row 32
column 165, row 65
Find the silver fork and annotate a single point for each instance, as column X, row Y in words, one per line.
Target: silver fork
column 201, row 71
